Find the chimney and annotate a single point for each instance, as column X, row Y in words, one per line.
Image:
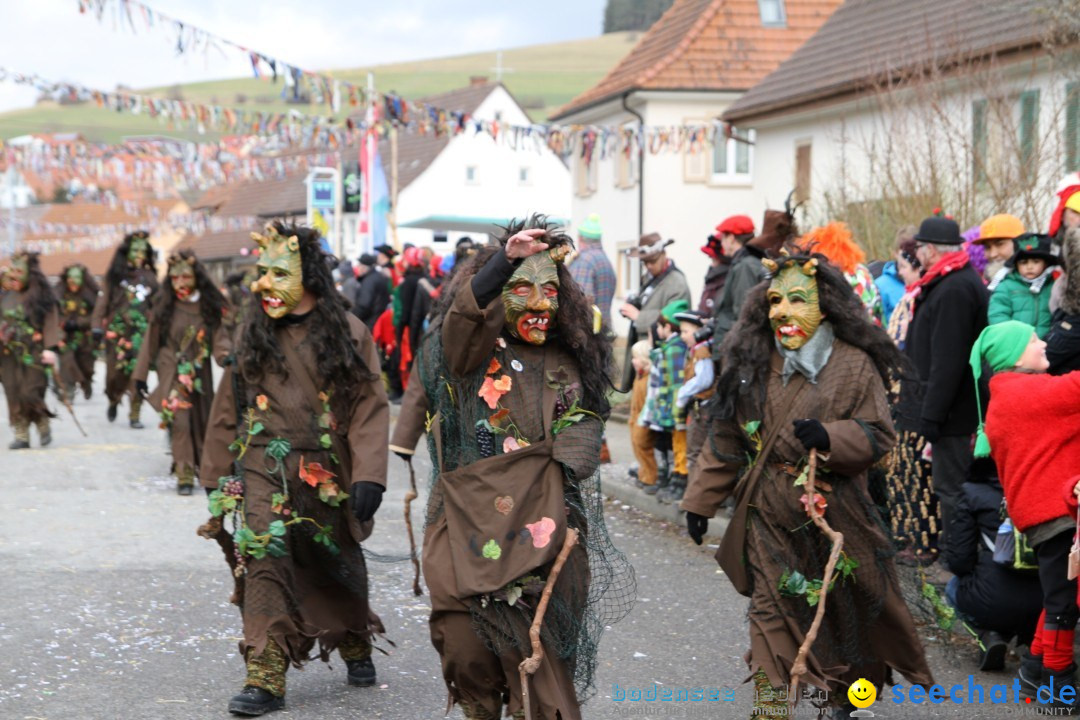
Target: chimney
column 478, row 80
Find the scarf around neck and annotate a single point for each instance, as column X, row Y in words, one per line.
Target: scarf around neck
column 811, row 357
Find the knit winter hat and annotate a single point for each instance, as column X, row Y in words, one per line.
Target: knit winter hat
column 672, row 309
column 999, row 346
column 590, row 229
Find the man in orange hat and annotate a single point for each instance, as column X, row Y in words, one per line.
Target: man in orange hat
column 996, row 235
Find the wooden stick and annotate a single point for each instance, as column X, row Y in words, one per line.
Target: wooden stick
column 531, row 664
column 409, row 497
column 799, row 668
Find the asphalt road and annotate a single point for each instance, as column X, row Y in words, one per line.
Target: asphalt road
column 112, row 607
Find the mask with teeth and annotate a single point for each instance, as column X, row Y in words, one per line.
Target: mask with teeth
column 280, row 282
column 138, row 251
column 531, row 297
column 74, row 279
column 182, row 276
column 16, row 276
column 794, row 307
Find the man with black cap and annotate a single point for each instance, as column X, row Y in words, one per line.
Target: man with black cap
column 950, row 312
column 373, row 292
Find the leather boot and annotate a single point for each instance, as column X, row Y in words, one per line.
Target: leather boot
column 254, row 701
column 675, row 490
column 361, row 673
column 993, row 648
column 1030, row 674
column 663, row 477
column 1056, row 680
column 44, row 432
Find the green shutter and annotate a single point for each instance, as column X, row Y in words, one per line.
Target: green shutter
column 978, row 141
column 1029, row 125
column 1072, row 127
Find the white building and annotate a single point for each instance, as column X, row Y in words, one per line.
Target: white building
column 688, row 68
column 895, row 107
column 471, row 183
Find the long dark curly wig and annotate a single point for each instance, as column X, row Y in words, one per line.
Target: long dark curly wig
column 212, row 303
column 118, row 269
column 745, row 352
column 338, row 364
column 90, row 288
column 573, row 331
column 39, row 295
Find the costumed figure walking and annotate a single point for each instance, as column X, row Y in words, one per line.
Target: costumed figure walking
column 78, row 351
column 29, row 340
column 518, row 383
column 122, row 317
column 296, row 450
column 187, row 328
column 804, row 371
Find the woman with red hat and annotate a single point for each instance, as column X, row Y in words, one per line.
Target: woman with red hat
column 721, row 246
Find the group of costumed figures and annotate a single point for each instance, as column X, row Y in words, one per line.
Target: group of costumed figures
column 510, row 385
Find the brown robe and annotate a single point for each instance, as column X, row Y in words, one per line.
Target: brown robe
column 113, row 308
column 77, row 349
column 187, row 340
column 20, row 340
column 867, row 628
column 412, row 419
column 474, row 674
column 309, row 595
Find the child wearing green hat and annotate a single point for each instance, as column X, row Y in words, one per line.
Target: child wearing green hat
column 668, row 358
column 1038, row 463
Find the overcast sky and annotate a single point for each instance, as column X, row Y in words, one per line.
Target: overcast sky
column 50, row 37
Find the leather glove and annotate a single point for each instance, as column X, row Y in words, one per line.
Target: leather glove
column 364, row 499
column 812, row 434
column 930, row 430
column 98, row 334
column 141, row 388
column 696, row 525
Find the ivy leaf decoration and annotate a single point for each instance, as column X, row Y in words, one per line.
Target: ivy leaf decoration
column 793, row 584
column 276, row 547
column 278, row 448
column 751, row 426
column 277, row 528
column 325, row 441
column 324, row 421
column 216, row 503
column 803, row 477
column 257, row 428
column 244, row 537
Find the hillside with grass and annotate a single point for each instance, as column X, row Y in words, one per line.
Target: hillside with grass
column 541, row 77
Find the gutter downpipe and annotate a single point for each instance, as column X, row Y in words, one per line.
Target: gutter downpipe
column 641, row 164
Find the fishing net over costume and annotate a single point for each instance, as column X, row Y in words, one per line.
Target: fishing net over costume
column 575, row 620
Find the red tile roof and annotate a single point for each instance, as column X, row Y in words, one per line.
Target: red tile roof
column 707, row 45
column 868, row 41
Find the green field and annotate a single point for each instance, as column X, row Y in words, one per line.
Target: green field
column 542, row 77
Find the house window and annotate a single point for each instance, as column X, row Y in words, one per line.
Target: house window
column 626, row 168
column 1072, row 127
column 585, row 175
column 470, row 174
column 1029, row 125
column 524, row 176
column 978, row 140
column 772, row 13
column 802, row 172
column 733, row 158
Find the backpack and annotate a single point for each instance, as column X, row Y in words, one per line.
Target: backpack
column 1011, row 548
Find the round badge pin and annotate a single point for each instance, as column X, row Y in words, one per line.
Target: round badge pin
column 516, row 364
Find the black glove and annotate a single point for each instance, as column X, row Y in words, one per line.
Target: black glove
column 141, row 388
column 812, row 434
column 98, row 334
column 365, row 498
column 930, row 430
column 70, row 325
column 696, row 525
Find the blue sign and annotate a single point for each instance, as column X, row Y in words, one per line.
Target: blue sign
column 322, row 194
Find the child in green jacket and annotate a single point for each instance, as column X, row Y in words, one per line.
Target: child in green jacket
column 1024, row 294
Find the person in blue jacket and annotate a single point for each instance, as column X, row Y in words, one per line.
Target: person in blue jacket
column 889, row 284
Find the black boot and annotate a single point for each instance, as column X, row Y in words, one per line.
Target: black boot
column 361, row 672
column 112, row 412
column 1030, row 673
column 675, row 490
column 185, row 489
column 993, row 648
column 18, row 445
column 137, row 425
column 254, row 701
column 1057, row 679
column 663, row 477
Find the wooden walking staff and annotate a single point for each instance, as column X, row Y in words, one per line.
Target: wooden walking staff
column 409, row 497
column 799, row 668
column 531, row 664
column 62, row 395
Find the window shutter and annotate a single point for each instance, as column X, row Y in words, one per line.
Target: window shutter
column 1029, row 125
column 978, row 141
column 1072, row 127
column 802, row 172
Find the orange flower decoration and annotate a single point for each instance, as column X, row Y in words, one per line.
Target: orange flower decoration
column 494, row 367
column 489, row 393
column 503, row 384
column 314, row 474
column 498, row 417
column 819, row 504
column 262, row 402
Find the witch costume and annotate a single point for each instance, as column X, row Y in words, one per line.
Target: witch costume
column 121, row 315
column 296, row 450
column 821, row 388
column 29, row 339
column 187, row 329
column 78, row 295
column 517, row 383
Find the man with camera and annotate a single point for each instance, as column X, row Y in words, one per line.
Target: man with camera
column 664, row 283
